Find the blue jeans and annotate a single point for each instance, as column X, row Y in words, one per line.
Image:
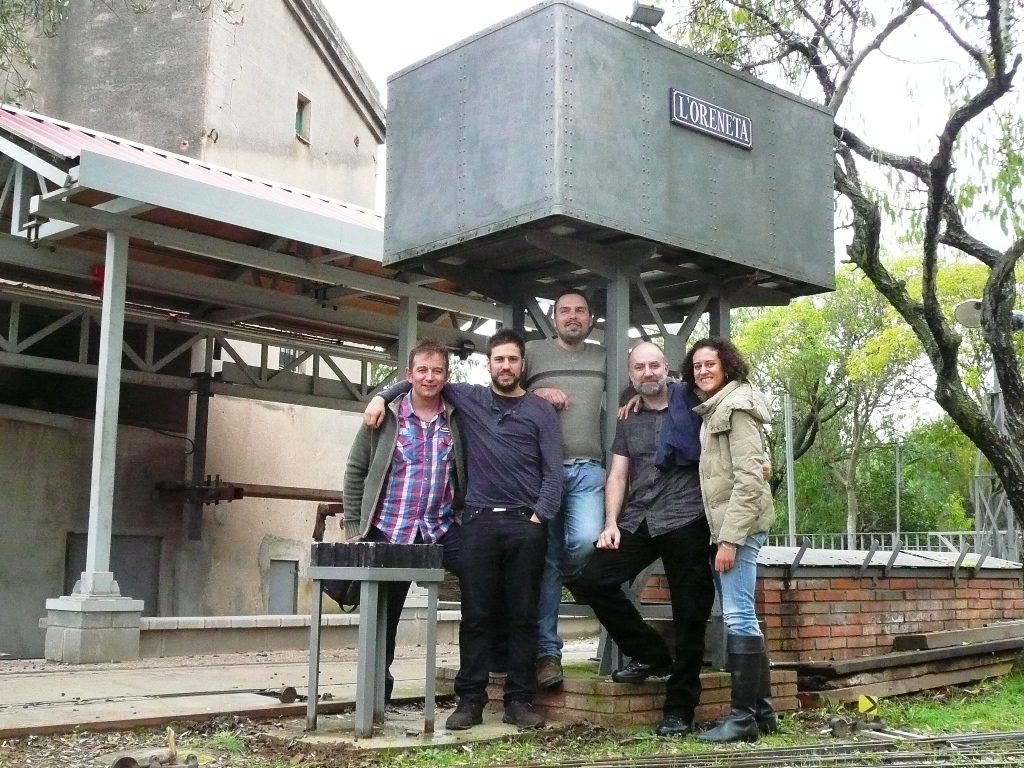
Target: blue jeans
column 571, row 537
column 736, row 589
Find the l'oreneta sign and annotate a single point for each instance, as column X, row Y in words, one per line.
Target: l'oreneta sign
column 699, row 115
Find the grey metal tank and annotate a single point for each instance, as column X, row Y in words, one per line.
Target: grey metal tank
column 561, row 126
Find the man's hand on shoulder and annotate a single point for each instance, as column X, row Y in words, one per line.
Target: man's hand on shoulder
column 373, row 414
column 632, row 406
column 553, row 395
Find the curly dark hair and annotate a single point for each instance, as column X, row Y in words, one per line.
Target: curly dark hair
column 735, row 367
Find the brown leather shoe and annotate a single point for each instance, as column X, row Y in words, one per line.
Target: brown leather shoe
column 465, row 716
column 549, row 672
column 522, row 714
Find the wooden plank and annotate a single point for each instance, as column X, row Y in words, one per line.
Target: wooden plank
column 898, row 658
column 910, row 685
column 947, row 638
column 893, row 674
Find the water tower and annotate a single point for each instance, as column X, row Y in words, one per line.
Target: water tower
column 563, row 148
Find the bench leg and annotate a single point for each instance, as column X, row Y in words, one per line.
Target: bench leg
column 368, row 666
column 430, row 684
column 313, row 679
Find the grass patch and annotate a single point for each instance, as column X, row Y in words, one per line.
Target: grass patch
column 231, row 742
column 993, row 705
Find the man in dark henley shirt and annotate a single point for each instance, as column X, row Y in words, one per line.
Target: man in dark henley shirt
column 650, row 513
column 514, row 459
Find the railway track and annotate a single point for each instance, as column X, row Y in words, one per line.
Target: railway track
column 979, row 751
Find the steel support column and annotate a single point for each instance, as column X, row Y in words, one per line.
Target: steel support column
column 199, row 423
column 719, row 320
column 95, row 623
column 97, row 578
column 408, row 322
column 616, row 342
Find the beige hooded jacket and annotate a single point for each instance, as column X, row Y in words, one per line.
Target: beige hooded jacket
column 737, row 498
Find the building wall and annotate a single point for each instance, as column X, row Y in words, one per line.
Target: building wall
column 840, row 614
column 44, row 473
column 140, row 76
column 844, row 616
column 256, row 72
column 226, row 572
column 217, row 86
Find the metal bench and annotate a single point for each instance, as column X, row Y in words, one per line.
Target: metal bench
column 372, row 565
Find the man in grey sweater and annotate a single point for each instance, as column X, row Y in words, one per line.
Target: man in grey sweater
column 569, row 374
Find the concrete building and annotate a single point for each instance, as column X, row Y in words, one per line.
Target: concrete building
column 272, row 89
column 274, row 92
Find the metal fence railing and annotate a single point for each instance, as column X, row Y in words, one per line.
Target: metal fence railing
column 932, row 541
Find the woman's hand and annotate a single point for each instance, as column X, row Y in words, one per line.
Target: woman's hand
column 632, row 406
column 725, row 557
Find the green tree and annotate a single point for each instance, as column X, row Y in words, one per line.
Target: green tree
column 964, row 174
column 848, row 364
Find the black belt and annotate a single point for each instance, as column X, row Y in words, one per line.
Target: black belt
column 501, row 509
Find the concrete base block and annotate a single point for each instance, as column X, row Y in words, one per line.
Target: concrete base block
column 85, row 630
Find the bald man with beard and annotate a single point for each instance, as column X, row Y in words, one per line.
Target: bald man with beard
column 662, row 516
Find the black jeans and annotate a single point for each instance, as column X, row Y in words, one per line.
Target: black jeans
column 397, row 591
column 685, row 553
column 502, row 562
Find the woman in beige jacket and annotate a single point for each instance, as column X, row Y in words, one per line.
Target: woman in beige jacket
column 738, row 503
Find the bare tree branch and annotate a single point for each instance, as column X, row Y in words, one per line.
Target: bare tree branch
column 843, row 86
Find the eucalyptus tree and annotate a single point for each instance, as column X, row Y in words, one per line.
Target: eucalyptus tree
column 947, row 181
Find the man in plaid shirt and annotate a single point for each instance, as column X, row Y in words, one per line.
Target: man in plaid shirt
column 405, row 481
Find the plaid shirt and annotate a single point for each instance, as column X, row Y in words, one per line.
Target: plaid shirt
column 418, row 488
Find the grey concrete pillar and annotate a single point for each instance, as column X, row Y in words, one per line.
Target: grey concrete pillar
column 95, row 623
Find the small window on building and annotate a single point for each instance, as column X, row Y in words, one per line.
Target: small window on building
column 302, row 118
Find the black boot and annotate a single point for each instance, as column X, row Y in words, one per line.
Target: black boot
column 745, row 652
column 767, row 720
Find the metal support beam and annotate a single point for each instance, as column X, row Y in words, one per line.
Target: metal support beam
column 616, row 341
column 408, row 313
column 718, row 317
column 257, row 258
column 97, row 578
column 199, row 423
column 21, row 201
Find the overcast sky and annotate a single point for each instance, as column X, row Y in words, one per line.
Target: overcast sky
column 389, row 35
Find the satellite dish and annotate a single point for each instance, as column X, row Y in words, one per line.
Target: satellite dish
column 968, row 313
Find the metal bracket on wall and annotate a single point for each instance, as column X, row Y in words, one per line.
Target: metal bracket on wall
column 897, row 545
column 982, row 556
column 959, row 562
column 791, row 568
column 870, row 556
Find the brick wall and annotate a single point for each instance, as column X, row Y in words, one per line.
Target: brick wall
column 826, row 614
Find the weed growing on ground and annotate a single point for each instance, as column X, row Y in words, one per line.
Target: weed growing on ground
column 231, row 742
column 993, row 705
